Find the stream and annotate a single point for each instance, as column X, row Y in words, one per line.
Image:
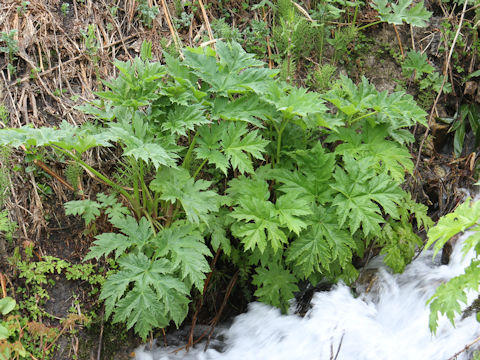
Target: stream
column 387, row 322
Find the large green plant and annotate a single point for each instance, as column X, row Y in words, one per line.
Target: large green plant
column 449, row 296
column 214, row 149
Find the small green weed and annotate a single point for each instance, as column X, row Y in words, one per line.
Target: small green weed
column 11, row 44
column 22, row 333
column 90, row 40
column 224, row 31
column 113, row 11
column 59, row 92
column 37, row 277
column 147, row 13
column 4, row 114
column 254, row 36
column 183, row 21
column 22, row 8
column 429, row 81
column 22, row 338
column 65, row 8
column 92, row 47
column 294, row 36
column 7, row 227
column 323, row 77
column 469, row 115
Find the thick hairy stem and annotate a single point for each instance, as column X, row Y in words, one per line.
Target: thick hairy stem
column 142, row 184
column 172, row 211
column 156, row 200
column 146, row 196
column 136, row 191
column 279, row 139
column 188, row 157
column 279, row 146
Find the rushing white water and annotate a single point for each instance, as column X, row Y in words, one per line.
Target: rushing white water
column 389, row 322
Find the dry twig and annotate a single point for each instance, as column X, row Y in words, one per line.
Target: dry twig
column 205, row 19
column 170, row 27
column 466, row 346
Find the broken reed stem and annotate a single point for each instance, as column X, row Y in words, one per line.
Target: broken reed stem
column 207, row 23
column 4, row 285
column 399, row 41
column 269, row 49
column 170, row 27
column 17, row 116
column 303, row 11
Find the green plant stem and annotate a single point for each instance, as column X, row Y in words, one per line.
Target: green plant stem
column 322, row 43
column 155, row 205
column 175, row 212
column 355, row 15
column 152, row 222
column 148, row 203
column 363, row 116
column 279, row 145
column 188, row 157
column 199, row 168
column 279, row 139
column 371, row 24
column 169, row 215
column 136, row 192
column 289, row 59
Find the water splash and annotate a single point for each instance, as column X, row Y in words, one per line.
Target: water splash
column 389, row 322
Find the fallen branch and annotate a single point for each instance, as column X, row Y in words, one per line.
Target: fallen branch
column 205, row 19
column 465, row 348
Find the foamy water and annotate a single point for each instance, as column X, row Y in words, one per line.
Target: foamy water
column 390, row 322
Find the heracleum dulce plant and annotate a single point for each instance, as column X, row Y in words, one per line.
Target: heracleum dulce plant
column 218, row 153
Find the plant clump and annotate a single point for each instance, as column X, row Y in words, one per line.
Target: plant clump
column 289, row 188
